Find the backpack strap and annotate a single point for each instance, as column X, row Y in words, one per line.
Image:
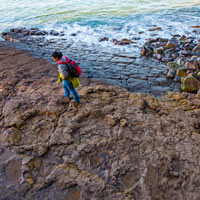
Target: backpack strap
column 64, row 62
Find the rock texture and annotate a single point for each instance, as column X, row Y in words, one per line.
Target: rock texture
column 114, row 145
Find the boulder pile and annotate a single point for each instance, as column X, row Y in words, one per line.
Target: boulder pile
column 182, row 55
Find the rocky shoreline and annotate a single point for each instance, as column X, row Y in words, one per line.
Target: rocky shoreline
column 114, row 145
column 115, row 67
column 182, row 55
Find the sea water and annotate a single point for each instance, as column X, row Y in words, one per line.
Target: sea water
column 92, row 20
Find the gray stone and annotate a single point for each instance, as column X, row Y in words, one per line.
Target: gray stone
column 162, row 81
column 121, row 60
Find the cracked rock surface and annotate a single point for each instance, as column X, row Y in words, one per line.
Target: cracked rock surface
column 114, row 145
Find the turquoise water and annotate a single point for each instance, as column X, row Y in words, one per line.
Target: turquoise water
column 94, row 19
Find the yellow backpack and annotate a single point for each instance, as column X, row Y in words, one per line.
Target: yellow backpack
column 75, row 81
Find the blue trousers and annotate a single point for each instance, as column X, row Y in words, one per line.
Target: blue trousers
column 68, row 87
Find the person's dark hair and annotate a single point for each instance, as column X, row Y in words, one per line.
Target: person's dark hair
column 57, row 54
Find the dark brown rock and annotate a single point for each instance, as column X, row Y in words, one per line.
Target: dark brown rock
column 162, row 40
column 183, row 37
column 155, row 29
column 195, row 26
column 125, row 41
column 172, row 43
column 115, row 41
column 103, row 39
column 114, row 144
column 52, row 32
column 143, row 51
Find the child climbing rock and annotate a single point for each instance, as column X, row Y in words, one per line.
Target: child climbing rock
column 69, row 72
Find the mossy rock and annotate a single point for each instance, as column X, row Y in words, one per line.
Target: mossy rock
column 181, row 72
column 190, row 84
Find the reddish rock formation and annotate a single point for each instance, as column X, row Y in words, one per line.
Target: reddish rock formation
column 114, row 145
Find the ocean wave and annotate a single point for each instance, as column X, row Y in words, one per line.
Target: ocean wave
column 92, row 20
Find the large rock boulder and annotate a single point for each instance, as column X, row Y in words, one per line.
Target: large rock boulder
column 190, row 84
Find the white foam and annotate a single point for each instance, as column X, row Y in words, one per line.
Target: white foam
column 121, row 19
